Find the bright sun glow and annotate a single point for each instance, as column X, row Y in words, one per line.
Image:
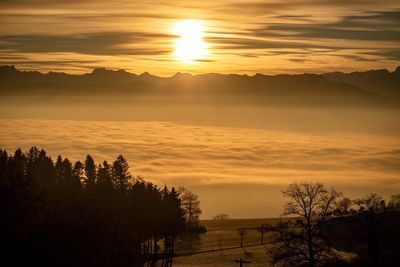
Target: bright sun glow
column 190, row 46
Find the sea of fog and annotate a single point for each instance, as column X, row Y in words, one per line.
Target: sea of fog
column 236, row 158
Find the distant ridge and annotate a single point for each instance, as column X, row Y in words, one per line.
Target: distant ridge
column 376, row 86
column 96, row 71
column 381, row 82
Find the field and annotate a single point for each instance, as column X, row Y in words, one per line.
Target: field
column 257, row 256
column 221, row 244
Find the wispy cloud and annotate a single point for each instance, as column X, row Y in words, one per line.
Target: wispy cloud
column 103, row 43
column 137, row 34
column 377, row 26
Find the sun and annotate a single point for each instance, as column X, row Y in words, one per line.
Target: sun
column 189, row 46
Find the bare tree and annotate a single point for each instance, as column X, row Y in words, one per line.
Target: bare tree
column 343, row 206
column 371, row 202
column 299, row 242
column 394, row 202
column 221, row 217
column 191, row 205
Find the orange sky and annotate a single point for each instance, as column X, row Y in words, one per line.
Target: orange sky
column 242, row 36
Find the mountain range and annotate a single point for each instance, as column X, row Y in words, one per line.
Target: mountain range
column 374, row 86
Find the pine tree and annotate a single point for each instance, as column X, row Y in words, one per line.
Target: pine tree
column 77, row 174
column 121, row 175
column 104, row 179
column 90, row 171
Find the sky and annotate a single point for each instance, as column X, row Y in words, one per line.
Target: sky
column 245, row 37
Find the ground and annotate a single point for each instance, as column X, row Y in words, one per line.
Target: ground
column 224, row 235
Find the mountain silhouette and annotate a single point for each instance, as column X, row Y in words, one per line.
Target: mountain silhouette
column 381, row 82
column 374, row 86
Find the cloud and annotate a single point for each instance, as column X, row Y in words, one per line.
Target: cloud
column 134, row 34
column 353, row 32
column 237, row 43
column 268, row 7
column 390, row 54
column 369, row 26
column 218, row 158
column 105, row 43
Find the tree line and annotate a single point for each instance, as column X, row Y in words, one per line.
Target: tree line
column 67, row 213
column 63, row 213
column 318, row 223
column 321, row 222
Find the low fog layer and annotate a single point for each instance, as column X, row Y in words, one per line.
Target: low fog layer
column 234, row 170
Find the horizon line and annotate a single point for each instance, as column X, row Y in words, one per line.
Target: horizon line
column 191, row 74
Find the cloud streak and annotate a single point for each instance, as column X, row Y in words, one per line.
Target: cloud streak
column 137, row 35
column 379, row 26
column 106, row 43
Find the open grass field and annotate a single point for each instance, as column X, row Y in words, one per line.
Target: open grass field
column 221, row 244
column 224, row 234
column 257, row 256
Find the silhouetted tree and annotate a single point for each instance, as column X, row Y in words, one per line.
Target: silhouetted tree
column 90, row 171
column 343, row 206
column 299, row 243
column 3, row 161
column 17, row 164
column 59, row 168
column 175, row 214
column 104, row 178
column 67, row 166
column 174, row 218
column 394, row 202
column 78, row 170
column 191, row 206
column 40, row 168
column 50, row 219
column 120, row 173
column 221, row 217
column 369, row 206
column 77, row 174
